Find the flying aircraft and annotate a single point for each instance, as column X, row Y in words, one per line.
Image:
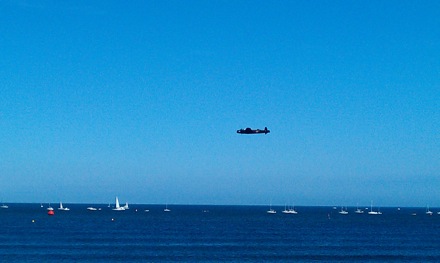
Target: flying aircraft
column 250, row 131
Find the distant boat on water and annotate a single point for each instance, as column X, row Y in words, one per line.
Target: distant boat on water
column 293, row 211
column 271, row 211
column 63, row 208
column 49, row 208
column 118, row 207
column 90, row 208
column 343, row 212
column 166, row 208
column 358, row 211
column 371, row 212
column 4, row 206
column 290, row 210
column 428, row 212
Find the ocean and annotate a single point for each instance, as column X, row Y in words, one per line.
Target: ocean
column 196, row 233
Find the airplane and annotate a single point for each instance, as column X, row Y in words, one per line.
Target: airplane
column 250, row 131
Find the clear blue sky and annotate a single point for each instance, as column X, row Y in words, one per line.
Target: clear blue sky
column 142, row 99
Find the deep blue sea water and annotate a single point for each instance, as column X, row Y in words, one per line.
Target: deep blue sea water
column 216, row 233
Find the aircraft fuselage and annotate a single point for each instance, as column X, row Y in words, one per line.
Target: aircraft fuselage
column 251, row 131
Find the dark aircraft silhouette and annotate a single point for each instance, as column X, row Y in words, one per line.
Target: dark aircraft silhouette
column 250, row 131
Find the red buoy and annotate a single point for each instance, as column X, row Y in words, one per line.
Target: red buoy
column 51, row 213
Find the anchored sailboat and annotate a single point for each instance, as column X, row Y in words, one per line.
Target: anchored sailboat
column 428, row 212
column 343, row 212
column 358, row 211
column 63, row 208
column 371, row 212
column 271, row 211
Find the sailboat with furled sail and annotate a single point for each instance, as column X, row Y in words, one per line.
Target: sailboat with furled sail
column 358, row 211
column 271, row 211
column 428, row 212
column 371, row 212
column 4, row 206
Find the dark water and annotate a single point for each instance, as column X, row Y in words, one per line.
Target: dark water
column 222, row 233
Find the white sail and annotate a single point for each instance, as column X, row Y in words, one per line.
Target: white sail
column 117, row 202
column 118, row 207
column 63, row 208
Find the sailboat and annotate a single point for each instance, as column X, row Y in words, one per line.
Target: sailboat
column 428, row 212
column 271, row 211
column 358, row 211
column 292, row 210
column 118, row 207
column 126, row 206
column 63, row 208
column 166, row 208
column 343, row 212
column 289, row 210
column 49, row 208
column 371, row 212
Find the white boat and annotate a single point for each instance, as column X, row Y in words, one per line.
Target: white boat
column 4, row 206
column 358, row 211
column 126, row 206
column 50, row 208
column 428, row 212
column 271, row 211
column 343, row 212
column 63, row 208
column 118, row 207
column 371, row 212
column 292, row 211
column 91, row 208
column 166, row 208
